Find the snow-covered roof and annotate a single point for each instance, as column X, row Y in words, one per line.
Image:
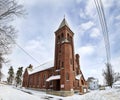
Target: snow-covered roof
column 78, row 76
column 53, row 78
column 42, row 67
column 92, row 79
column 57, row 70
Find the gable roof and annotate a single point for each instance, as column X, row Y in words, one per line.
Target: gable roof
column 42, row 67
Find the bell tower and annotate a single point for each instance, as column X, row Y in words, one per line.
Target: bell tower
column 64, row 56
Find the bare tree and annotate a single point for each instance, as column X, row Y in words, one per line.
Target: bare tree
column 8, row 10
column 1, row 61
column 108, row 74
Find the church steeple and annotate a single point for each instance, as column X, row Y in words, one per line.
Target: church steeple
column 64, row 55
column 63, row 23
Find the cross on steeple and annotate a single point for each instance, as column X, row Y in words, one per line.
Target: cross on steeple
column 64, row 16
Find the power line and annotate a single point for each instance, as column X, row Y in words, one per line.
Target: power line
column 107, row 35
column 21, row 48
column 103, row 23
column 27, row 53
column 101, row 17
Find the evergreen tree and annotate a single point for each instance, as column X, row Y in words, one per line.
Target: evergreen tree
column 11, row 75
column 19, row 76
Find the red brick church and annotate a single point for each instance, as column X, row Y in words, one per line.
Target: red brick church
column 63, row 75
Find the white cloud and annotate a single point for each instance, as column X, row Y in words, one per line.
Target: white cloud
column 82, row 14
column 34, row 45
column 117, row 17
column 54, row 3
column 116, row 63
column 32, row 2
column 86, row 26
column 90, row 8
column 78, row 1
column 95, row 32
column 86, row 50
column 39, row 49
column 82, row 28
column 107, row 4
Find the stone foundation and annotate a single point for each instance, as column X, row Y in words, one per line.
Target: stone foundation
column 37, row 89
column 60, row 93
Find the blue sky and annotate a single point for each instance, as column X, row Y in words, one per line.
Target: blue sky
column 36, row 33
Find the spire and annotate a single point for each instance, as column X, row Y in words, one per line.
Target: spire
column 63, row 23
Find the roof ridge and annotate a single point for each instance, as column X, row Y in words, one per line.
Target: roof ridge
column 43, row 66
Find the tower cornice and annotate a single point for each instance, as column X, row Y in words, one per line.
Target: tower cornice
column 64, row 28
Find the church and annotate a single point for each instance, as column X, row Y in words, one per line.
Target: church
column 62, row 76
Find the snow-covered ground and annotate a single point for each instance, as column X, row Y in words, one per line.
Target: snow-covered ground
column 12, row 93
column 9, row 93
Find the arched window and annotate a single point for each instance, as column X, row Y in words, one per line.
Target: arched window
column 58, row 65
column 82, row 82
column 71, row 61
column 77, row 71
column 67, row 76
column 78, row 83
column 44, row 79
column 68, row 37
column 73, row 83
column 62, row 64
column 39, row 81
column 60, row 48
column 31, row 80
column 58, row 38
column 62, row 36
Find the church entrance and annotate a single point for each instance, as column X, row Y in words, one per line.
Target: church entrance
column 56, row 85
